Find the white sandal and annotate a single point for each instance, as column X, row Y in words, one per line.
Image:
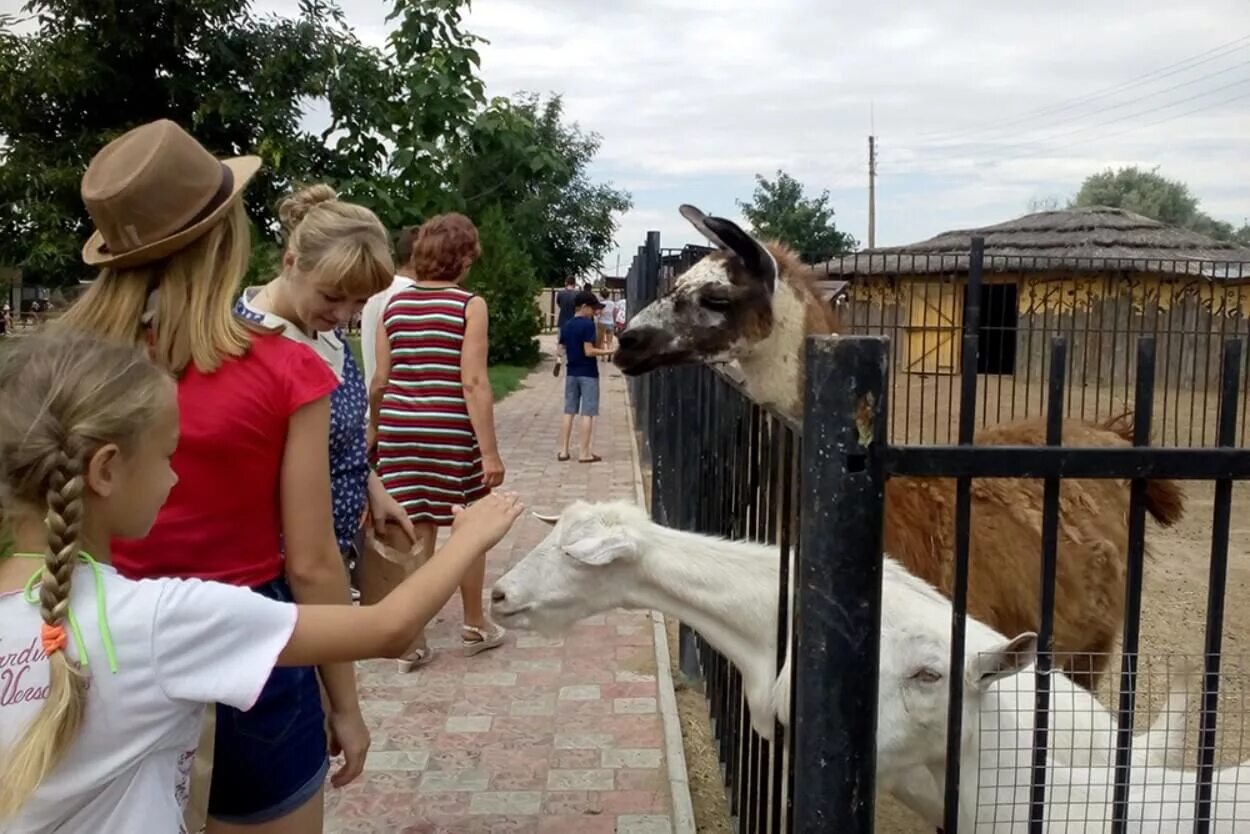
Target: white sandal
column 486, row 639
column 415, row 659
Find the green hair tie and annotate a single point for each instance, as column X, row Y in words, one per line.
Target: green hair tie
column 106, row 636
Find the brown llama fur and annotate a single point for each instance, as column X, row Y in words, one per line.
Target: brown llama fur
column 1005, row 551
column 820, row 319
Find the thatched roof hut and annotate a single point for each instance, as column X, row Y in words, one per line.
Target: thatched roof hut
column 1074, row 240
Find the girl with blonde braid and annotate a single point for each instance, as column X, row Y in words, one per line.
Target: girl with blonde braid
column 103, row 679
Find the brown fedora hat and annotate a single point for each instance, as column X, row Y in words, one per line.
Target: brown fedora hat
column 153, row 191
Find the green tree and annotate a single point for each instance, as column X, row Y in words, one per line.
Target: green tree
column 779, row 210
column 504, row 276
column 519, row 154
column 415, row 124
column 89, row 71
column 1153, row 195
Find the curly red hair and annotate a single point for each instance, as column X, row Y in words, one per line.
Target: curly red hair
column 447, row 245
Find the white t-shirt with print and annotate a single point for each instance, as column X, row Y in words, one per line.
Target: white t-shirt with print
column 180, row 644
column 608, row 314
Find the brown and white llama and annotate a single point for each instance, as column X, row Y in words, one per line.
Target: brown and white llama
column 753, row 304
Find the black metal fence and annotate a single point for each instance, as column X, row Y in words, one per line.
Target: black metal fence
column 721, row 464
column 1101, row 307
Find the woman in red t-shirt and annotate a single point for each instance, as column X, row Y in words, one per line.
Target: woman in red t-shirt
column 172, row 245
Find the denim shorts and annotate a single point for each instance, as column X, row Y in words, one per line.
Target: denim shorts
column 272, row 759
column 581, row 391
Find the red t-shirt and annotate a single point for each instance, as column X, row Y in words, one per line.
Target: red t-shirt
column 223, row 518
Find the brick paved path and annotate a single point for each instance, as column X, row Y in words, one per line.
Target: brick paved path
column 540, row 735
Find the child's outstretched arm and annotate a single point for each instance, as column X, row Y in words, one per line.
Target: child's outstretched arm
column 337, row 633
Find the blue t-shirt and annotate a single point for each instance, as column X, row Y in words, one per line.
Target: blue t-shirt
column 576, row 332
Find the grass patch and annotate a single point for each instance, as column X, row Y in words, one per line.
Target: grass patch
column 504, row 379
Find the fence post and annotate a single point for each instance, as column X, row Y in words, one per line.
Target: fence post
column 838, row 599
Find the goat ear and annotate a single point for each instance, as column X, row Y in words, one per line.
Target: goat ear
column 546, row 519
column 731, row 237
column 1002, row 661
column 600, row 550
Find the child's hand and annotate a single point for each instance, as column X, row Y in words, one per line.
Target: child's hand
column 489, row 520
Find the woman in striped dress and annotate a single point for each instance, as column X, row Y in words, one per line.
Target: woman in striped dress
column 432, row 409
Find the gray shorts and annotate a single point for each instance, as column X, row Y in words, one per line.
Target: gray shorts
column 581, row 395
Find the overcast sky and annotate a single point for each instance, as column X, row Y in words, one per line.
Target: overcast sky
column 694, row 97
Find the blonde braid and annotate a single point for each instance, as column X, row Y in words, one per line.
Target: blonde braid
column 46, row 740
column 64, row 520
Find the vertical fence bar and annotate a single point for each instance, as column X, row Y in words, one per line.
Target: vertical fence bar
column 1144, row 403
column 838, row 606
column 1215, row 591
column 1050, row 555
column 963, row 512
column 783, row 764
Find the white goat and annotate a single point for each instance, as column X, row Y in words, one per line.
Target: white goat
column 996, row 746
column 611, row 555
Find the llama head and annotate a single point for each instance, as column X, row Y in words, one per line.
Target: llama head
column 581, row 568
column 718, row 311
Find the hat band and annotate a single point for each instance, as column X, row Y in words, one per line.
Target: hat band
column 224, row 189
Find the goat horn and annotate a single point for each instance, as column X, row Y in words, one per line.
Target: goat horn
column 547, row 519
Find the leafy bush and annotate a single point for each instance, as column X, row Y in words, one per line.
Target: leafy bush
column 505, row 277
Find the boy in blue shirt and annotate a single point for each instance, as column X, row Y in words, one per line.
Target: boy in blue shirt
column 581, row 381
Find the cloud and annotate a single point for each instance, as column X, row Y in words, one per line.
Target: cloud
column 972, row 100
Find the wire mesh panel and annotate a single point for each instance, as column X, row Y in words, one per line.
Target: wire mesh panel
column 1101, row 307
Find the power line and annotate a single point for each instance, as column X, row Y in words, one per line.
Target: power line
column 1148, row 96
column 1113, row 134
column 1133, row 128
column 1162, row 72
column 1062, row 134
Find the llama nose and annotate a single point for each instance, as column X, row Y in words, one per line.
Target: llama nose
column 632, row 339
column 497, row 595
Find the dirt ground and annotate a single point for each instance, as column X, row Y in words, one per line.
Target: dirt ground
column 1173, row 630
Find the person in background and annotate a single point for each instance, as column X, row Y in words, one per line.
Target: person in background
column 621, row 318
column 606, row 324
column 432, row 409
column 252, row 503
column 371, row 315
column 337, row 257
column 566, row 308
column 581, row 385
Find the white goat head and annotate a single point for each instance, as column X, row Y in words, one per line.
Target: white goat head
column 579, row 569
column 914, row 683
column 913, row 693
column 720, row 308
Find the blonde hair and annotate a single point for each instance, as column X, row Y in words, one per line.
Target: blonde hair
column 63, row 395
column 196, row 287
column 343, row 246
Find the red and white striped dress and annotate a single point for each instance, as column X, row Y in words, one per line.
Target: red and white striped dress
column 428, row 456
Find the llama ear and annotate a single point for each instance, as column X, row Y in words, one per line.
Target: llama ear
column 730, row 237
column 699, row 220
column 601, row 550
column 1002, row 661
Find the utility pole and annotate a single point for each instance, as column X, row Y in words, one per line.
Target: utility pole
column 872, row 191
